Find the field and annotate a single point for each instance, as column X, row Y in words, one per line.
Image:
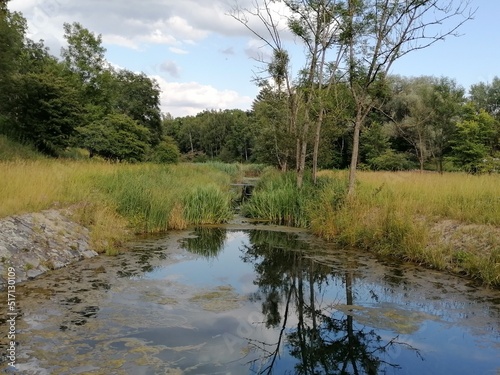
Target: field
column 117, row 200
column 449, row 222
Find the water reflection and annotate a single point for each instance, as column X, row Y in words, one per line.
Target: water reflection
column 323, row 340
column 207, row 242
column 253, row 302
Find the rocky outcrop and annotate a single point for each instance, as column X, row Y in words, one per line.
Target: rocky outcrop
column 37, row 242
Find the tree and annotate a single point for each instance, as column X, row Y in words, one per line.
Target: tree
column 47, row 109
column 275, row 143
column 424, row 111
column 116, row 137
column 316, row 23
column 12, row 32
column 487, row 96
column 377, row 33
column 279, row 79
column 165, row 152
column 84, row 54
column 138, row 97
column 474, row 139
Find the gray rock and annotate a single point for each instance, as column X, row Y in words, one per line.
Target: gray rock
column 34, row 243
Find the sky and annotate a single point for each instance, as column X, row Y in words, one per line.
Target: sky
column 204, row 59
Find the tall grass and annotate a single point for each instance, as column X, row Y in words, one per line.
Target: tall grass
column 207, row 205
column 449, row 222
column 116, row 199
column 444, row 221
column 277, row 199
column 11, row 150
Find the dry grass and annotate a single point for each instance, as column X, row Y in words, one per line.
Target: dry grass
column 448, row 222
column 116, row 199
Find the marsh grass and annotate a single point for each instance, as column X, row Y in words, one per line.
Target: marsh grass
column 277, row 199
column 207, row 205
column 115, row 200
column 402, row 214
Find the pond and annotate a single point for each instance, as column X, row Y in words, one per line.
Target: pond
column 218, row 301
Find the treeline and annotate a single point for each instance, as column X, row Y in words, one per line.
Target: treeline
column 422, row 123
column 321, row 119
column 78, row 101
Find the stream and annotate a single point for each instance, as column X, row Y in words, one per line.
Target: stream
column 238, row 300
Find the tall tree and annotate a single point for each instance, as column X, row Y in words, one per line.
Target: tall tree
column 12, row 33
column 379, row 32
column 474, row 140
column 47, row 109
column 279, row 77
column 317, row 24
column 138, row 97
column 84, row 54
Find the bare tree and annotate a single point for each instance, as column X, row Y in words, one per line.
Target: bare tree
column 315, row 23
column 379, row 32
column 277, row 68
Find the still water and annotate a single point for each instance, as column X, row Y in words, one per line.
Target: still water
column 218, row 301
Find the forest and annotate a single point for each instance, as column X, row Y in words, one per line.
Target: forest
column 78, row 105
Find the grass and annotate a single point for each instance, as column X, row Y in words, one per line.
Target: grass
column 277, row 199
column 448, row 222
column 115, row 200
column 11, row 150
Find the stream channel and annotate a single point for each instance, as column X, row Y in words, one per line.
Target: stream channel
column 242, row 300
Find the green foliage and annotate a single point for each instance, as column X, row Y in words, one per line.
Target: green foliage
column 487, row 96
column 472, row 142
column 116, row 137
column 391, row 160
column 274, row 142
column 138, row 97
column 84, row 54
column 165, row 152
column 12, row 32
column 48, row 110
column 207, row 205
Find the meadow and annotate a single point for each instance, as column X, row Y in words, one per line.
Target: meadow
column 118, row 200
column 449, row 222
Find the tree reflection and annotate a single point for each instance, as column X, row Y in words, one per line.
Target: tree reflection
column 322, row 339
column 207, row 241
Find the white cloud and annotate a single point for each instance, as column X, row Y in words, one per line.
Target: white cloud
column 183, row 99
column 178, row 51
column 120, row 40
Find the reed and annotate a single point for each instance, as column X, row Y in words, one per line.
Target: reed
column 449, row 222
column 278, row 200
column 116, row 200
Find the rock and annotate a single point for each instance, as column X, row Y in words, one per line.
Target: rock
column 37, row 242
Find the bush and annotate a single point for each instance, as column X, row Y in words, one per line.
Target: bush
column 165, row 152
column 391, row 161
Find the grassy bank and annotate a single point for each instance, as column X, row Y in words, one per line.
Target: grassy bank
column 116, row 200
column 449, row 222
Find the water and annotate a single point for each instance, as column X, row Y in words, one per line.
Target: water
column 252, row 302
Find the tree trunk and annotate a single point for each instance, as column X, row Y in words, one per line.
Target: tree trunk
column 354, row 157
column 317, row 139
column 303, row 154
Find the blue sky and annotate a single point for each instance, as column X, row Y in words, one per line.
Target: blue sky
column 201, row 57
